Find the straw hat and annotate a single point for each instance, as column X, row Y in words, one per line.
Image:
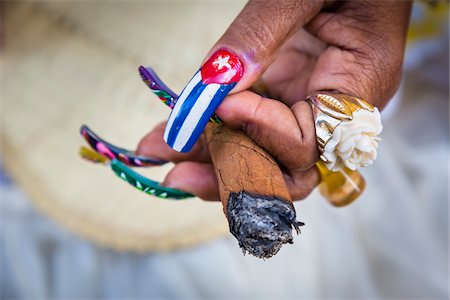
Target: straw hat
column 71, row 63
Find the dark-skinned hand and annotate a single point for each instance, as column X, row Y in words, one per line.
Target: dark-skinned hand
column 296, row 48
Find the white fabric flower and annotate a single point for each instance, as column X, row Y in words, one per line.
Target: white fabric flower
column 354, row 143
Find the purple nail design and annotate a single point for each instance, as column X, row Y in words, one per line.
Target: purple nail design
column 127, row 157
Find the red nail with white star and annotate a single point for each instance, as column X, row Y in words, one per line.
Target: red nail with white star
column 200, row 98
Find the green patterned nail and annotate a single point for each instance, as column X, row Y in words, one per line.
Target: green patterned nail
column 146, row 185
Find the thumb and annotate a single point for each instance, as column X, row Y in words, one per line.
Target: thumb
column 235, row 62
column 260, row 29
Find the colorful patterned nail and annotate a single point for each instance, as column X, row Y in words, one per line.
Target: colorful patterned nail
column 166, row 95
column 146, row 185
column 200, row 98
column 160, row 89
column 93, row 156
column 112, row 152
column 140, row 182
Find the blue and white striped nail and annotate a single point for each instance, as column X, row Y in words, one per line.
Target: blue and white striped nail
column 200, row 98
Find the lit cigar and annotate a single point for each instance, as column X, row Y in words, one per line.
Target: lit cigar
column 254, row 195
column 253, row 192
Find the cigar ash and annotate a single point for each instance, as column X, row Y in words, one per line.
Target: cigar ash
column 261, row 224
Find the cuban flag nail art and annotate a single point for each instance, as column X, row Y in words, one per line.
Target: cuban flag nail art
column 200, row 98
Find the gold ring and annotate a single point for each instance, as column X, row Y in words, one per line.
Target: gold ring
column 347, row 130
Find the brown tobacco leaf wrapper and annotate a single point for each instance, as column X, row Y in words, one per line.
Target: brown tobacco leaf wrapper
column 253, row 192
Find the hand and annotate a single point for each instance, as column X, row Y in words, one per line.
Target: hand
column 297, row 47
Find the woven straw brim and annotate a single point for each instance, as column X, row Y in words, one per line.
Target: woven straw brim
column 63, row 67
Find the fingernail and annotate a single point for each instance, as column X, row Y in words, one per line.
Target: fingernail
column 146, row 185
column 160, row 89
column 166, row 95
column 93, row 156
column 200, row 98
column 113, row 152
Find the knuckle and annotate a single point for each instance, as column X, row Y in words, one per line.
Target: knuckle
column 251, row 129
column 251, row 124
column 378, row 57
column 381, row 74
column 371, row 72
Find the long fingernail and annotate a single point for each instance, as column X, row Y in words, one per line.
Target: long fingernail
column 160, row 89
column 93, row 156
column 147, row 185
column 165, row 94
column 113, row 152
column 200, row 98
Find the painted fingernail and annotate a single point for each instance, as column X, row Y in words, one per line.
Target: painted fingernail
column 165, row 94
column 113, row 152
column 147, row 185
column 93, row 156
column 200, row 98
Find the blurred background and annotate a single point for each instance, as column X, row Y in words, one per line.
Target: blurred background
column 72, row 230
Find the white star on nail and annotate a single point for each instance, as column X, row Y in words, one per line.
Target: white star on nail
column 222, row 62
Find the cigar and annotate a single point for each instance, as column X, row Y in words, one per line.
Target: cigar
column 254, row 195
column 253, row 192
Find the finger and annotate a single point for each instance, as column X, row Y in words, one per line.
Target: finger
column 287, row 134
column 365, row 56
column 153, row 145
column 301, row 184
column 196, row 178
column 305, row 119
column 260, row 29
column 235, row 62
